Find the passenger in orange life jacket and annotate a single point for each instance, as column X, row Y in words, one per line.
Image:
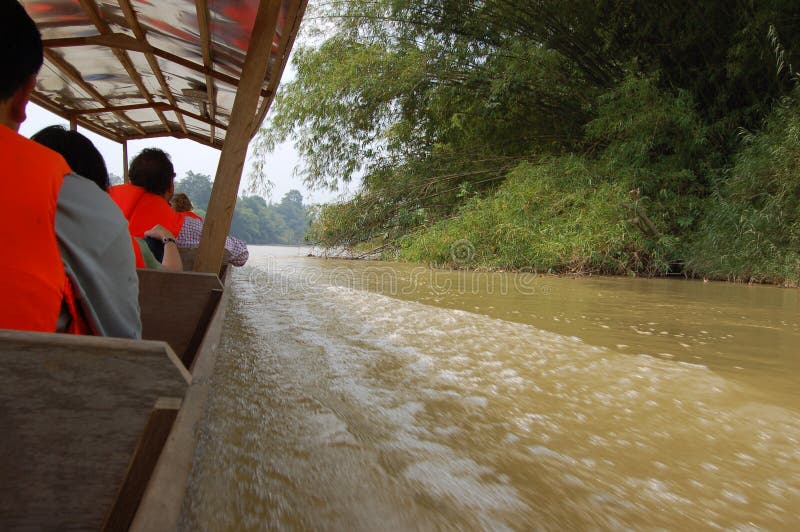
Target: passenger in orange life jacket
column 145, row 202
column 85, row 160
column 72, row 269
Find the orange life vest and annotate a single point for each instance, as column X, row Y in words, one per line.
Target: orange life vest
column 33, row 283
column 144, row 210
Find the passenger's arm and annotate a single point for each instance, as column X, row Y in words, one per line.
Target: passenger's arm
column 172, row 257
column 238, row 250
column 189, row 237
column 97, row 253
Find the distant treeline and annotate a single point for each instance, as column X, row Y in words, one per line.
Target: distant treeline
column 254, row 220
column 586, row 136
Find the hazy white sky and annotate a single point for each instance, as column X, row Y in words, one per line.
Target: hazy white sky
column 188, row 155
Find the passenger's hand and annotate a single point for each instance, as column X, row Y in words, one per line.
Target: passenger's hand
column 159, row 231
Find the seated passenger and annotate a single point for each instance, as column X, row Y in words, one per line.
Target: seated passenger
column 85, row 160
column 145, row 202
column 72, row 260
column 181, row 203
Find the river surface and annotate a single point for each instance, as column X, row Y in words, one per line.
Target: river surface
column 353, row 395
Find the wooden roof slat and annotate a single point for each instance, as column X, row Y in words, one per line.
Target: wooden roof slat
column 91, row 8
column 72, row 73
column 133, row 22
column 125, row 42
column 295, row 14
column 205, row 40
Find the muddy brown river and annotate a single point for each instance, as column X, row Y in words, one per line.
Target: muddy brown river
column 352, row 395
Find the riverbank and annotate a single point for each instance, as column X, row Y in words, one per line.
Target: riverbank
column 566, row 216
column 654, row 199
column 392, row 256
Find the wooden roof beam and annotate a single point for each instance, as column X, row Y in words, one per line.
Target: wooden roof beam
column 133, row 22
column 205, row 40
column 119, row 108
column 91, row 9
column 202, row 139
column 142, row 106
column 94, row 127
column 72, row 73
column 231, row 160
column 125, row 42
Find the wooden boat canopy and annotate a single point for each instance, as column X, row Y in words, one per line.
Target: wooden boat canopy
column 137, row 69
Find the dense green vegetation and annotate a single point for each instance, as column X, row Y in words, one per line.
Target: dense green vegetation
column 605, row 136
column 254, row 220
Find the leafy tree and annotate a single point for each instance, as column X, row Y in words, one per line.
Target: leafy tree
column 294, row 214
column 254, row 221
column 197, row 186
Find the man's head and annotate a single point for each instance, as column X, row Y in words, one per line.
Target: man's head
column 20, row 61
column 152, row 170
column 81, row 155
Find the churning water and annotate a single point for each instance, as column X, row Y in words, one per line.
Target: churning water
column 371, row 396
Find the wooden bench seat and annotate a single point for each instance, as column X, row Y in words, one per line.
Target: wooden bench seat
column 177, row 307
column 73, row 415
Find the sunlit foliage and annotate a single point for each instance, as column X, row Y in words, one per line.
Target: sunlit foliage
column 439, row 106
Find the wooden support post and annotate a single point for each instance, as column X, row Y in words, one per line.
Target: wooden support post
column 73, row 124
column 231, row 160
column 125, row 177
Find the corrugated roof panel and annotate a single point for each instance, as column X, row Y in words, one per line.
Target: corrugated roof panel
column 147, row 76
column 56, row 87
column 60, row 18
column 171, row 25
column 197, row 127
column 147, row 118
column 102, row 70
column 225, row 96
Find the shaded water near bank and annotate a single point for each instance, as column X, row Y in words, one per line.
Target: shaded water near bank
column 374, row 396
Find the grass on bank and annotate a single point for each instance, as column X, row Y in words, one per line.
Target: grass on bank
column 561, row 215
column 650, row 197
column 751, row 230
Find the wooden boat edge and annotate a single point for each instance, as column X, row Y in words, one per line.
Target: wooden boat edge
column 163, row 499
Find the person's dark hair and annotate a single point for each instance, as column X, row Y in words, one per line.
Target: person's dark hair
column 152, row 170
column 79, row 152
column 20, row 48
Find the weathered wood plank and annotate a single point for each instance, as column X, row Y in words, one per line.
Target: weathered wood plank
column 144, row 462
column 72, row 411
column 176, row 307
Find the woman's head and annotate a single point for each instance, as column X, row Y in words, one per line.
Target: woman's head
column 181, row 202
column 79, row 152
column 152, row 170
